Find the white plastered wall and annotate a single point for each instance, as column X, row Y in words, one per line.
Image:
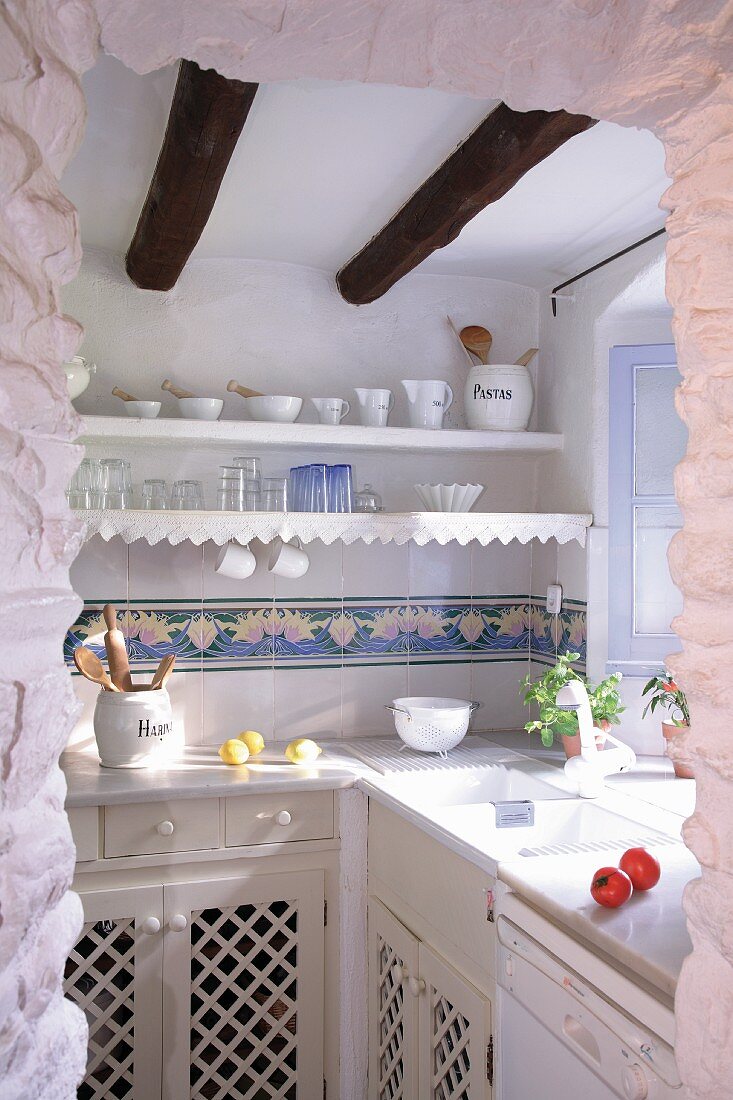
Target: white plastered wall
column 656, row 64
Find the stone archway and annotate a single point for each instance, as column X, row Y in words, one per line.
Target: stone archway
column 662, row 64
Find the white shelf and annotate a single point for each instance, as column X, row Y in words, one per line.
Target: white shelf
column 343, row 437
column 383, row 527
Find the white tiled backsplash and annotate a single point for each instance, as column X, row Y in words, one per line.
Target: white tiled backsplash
column 323, row 654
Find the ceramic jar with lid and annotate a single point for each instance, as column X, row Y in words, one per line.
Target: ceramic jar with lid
column 78, row 373
column 498, row 397
column 132, row 727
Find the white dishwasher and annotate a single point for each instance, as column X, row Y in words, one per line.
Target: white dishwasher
column 563, row 1034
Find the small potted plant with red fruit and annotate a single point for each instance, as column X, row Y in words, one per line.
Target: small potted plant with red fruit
column 662, row 691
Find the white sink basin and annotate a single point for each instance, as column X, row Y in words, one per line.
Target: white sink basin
column 470, row 787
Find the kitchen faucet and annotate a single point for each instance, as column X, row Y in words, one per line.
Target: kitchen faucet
column 588, row 771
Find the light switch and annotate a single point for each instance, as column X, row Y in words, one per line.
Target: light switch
column 554, row 599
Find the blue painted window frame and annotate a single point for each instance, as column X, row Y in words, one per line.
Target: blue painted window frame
column 628, row 651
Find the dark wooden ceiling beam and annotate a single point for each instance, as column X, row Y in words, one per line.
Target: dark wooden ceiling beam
column 490, row 161
column 206, row 118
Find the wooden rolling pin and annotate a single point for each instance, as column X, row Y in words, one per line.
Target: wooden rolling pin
column 114, row 643
column 234, row 387
column 166, row 384
column 122, row 395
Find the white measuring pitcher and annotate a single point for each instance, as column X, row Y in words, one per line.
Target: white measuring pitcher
column 429, row 401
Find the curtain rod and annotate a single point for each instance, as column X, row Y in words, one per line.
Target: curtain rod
column 602, row 263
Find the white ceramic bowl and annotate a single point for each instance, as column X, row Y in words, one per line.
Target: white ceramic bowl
column 148, row 410
column 201, row 408
column 280, row 410
column 449, row 498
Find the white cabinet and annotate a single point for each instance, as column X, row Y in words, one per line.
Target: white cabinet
column 114, row 975
column 203, row 974
column 429, row 1029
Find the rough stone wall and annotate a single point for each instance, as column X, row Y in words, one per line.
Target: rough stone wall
column 42, row 1036
column 663, row 64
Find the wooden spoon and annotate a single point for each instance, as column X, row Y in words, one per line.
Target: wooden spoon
column 478, row 340
column 526, row 359
column 89, row 665
column 122, row 395
column 162, row 672
column 114, row 643
column 234, row 387
column 166, row 384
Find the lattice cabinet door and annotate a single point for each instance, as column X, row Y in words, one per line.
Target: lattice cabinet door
column 113, row 973
column 243, row 976
column 456, row 1048
column 393, row 1009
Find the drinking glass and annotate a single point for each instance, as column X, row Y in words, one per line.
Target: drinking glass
column 274, row 496
column 84, row 486
column 339, row 489
column 238, row 493
column 297, row 485
column 187, row 496
column 250, row 466
column 314, row 497
column 114, row 483
column 155, row 494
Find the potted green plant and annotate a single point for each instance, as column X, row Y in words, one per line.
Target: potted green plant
column 662, row 691
column 605, row 704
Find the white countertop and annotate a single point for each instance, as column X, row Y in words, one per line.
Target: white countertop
column 648, row 934
column 199, row 773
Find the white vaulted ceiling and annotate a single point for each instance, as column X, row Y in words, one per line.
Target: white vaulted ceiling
column 320, row 167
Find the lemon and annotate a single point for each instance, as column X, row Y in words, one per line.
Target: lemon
column 303, row 751
column 234, row 751
column 254, row 741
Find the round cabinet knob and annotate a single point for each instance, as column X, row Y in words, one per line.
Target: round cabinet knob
column 635, row 1082
column 284, row 817
column 399, row 974
column 416, row 986
column 150, row 926
column 165, row 828
column 177, row 922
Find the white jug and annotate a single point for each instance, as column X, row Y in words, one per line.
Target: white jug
column 429, row 400
column 331, row 410
column 374, row 406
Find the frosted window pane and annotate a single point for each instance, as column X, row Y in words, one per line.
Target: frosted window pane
column 660, row 435
column 656, row 599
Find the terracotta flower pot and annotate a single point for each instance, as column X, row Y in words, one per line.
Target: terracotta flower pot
column 571, row 744
column 681, row 769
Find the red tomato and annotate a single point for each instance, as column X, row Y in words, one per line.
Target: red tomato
column 641, row 867
column 611, row 887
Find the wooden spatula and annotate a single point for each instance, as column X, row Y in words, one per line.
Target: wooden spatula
column 114, row 643
column 162, row 672
column 89, row 665
column 458, row 338
column 166, row 384
column 122, row 395
column 526, row 359
column 234, row 387
column 478, row 340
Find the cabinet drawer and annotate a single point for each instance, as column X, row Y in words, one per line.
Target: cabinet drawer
column 273, row 818
column 84, row 823
column 148, row 828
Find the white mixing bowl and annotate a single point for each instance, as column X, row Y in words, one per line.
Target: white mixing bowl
column 279, row 410
column 201, row 408
column 148, row 410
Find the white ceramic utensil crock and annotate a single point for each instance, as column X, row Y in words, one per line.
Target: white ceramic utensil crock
column 78, row 372
column 374, row 407
column 429, row 400
column 132, row 728
column 499, row 397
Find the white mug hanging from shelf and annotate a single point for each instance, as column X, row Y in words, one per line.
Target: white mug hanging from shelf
column 235, row 561
column 288, row 560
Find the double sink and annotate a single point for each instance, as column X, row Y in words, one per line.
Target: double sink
column 469, row 803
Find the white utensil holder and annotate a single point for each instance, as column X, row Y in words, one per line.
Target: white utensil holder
column 132, row 728
column 499, row 397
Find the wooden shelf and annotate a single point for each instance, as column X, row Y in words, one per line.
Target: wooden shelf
column 382, row 527
column 320, row 437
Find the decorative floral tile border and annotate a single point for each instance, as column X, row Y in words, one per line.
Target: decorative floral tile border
column 323, row 632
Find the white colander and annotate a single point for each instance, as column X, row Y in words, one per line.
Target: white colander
column 431, row 724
